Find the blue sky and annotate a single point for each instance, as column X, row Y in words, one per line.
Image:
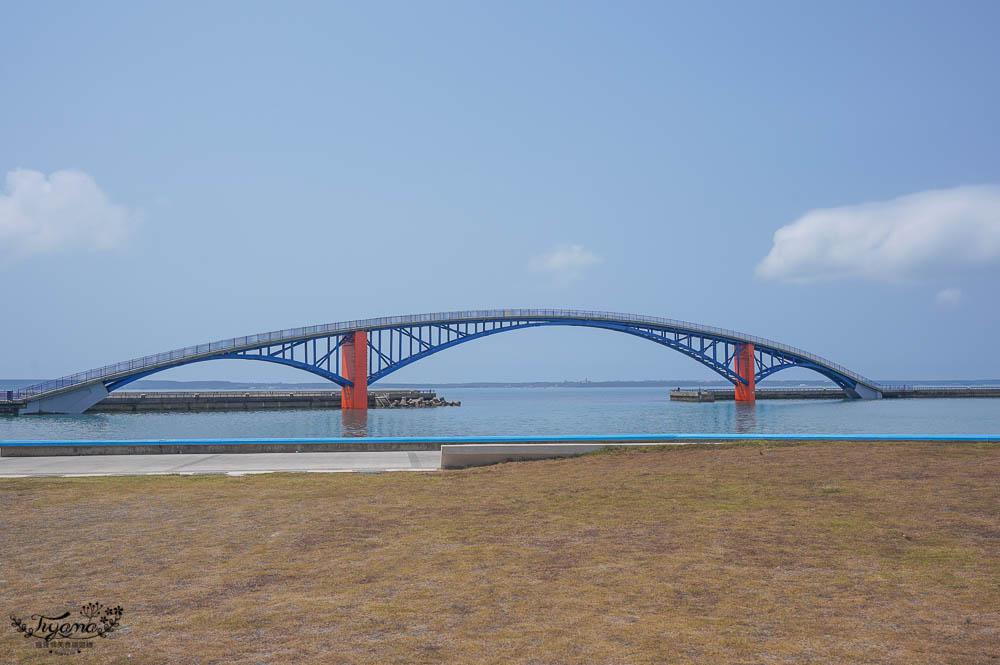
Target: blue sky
column 187, row 172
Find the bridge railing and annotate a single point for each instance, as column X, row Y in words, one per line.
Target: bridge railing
column 293, row 334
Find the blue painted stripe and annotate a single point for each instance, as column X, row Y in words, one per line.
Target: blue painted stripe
column 586, row 438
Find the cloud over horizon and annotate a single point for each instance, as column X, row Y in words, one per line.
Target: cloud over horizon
column 64, row 211
column 922, row 235
column 566, row 262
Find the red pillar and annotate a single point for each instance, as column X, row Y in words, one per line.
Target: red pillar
column 354, row 356
column 746, row 369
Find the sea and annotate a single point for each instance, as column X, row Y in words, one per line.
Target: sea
column 535, row 411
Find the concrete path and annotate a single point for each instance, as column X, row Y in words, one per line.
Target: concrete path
column 231, row 464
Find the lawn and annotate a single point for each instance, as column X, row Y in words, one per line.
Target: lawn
column 753, row 553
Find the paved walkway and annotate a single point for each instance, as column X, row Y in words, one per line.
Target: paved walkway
column 231, row 464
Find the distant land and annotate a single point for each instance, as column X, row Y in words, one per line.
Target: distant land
column 155, row 384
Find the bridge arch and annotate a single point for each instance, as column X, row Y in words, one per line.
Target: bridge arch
column 353, row 354
column 318, row 371
column 713, row 364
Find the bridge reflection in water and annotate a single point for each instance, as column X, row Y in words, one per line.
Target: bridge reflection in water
column 354, row 422
column 745, row 418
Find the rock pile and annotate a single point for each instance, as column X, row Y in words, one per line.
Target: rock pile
column 414, row 402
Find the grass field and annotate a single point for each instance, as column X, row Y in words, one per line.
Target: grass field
column 812, row 553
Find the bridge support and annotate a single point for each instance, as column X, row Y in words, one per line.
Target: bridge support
column 355, row 369
column 74, row 401
column 745, row 369
column 860, row 391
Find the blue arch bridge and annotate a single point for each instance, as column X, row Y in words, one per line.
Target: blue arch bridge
column 354, row 354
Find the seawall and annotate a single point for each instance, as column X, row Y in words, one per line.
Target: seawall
column 249, row 400
column 727, row 394
column 498, row 448
column 242, row 400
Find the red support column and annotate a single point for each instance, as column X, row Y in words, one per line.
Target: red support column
column 746, row 369
column 354, row 354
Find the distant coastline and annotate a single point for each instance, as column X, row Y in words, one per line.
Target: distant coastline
column 154, row 384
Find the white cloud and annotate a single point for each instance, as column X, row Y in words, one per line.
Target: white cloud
column 949, row 297
column 566, row 262
column 64, row 211
column 944, row 231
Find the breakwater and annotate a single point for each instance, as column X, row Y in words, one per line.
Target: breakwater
column 252, row 400
column 246, row 400
column 727, row 394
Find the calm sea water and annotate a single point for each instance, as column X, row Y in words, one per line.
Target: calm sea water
column 538, row 411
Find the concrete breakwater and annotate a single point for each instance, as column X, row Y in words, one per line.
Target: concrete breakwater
column 253, row 400
column 727, row 394
column 724, row 394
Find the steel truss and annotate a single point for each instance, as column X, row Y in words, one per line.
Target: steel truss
column 319, row 355
column 392, row 348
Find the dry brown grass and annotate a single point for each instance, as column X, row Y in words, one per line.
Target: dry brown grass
column 817, row 553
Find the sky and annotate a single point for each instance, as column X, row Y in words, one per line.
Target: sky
column 825, row 175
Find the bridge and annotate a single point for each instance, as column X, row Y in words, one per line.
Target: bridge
column 355, row 354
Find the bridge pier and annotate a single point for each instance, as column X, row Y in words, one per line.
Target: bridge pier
column 354, row 354
column 745, row 369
